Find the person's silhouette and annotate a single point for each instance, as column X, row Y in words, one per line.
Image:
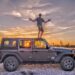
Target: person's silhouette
column 40, row 22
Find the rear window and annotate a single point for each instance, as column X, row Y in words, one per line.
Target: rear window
column 9, row 44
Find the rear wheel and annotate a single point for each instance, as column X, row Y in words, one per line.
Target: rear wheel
column 11, row 63
column 67, row 63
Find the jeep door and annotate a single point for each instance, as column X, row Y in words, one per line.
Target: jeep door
column 25, row 49
column 39, row 52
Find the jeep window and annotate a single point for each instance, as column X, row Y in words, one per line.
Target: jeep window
column 39, row 44
column 25, row 43
column 6, row 43
column 9, row 44
column 0, row 41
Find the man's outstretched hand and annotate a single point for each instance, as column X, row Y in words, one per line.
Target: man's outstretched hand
column 30, row 19
column 49, row 20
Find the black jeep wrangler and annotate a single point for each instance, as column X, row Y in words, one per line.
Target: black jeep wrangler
column 16, row 51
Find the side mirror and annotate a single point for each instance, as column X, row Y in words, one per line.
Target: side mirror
column 47, row 47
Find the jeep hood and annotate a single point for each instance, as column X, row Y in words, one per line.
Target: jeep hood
column 61, row 49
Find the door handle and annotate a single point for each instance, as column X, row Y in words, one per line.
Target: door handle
column 35, row 51
column 22, row 51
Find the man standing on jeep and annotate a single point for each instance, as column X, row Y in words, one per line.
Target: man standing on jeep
column 40, row 22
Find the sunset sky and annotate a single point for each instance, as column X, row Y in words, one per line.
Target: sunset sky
column 14, row 15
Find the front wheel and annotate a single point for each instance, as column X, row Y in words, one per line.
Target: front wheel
column 11, row 63
column 67, row 63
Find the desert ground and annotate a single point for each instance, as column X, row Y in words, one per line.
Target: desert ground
column 37, row 69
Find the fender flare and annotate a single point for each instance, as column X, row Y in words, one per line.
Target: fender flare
column 12, row 54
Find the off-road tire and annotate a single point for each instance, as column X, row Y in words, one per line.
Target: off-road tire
column 11, row 63
column 67, row 63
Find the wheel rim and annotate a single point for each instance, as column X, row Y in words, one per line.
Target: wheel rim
column 10, row 64
column 68, row 63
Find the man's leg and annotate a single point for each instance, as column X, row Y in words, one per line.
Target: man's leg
column 41, row 33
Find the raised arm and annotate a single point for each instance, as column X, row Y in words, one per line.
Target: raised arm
column 32, row 19
column 47, row 20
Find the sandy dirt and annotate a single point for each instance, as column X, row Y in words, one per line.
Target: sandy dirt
column 37, row 69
